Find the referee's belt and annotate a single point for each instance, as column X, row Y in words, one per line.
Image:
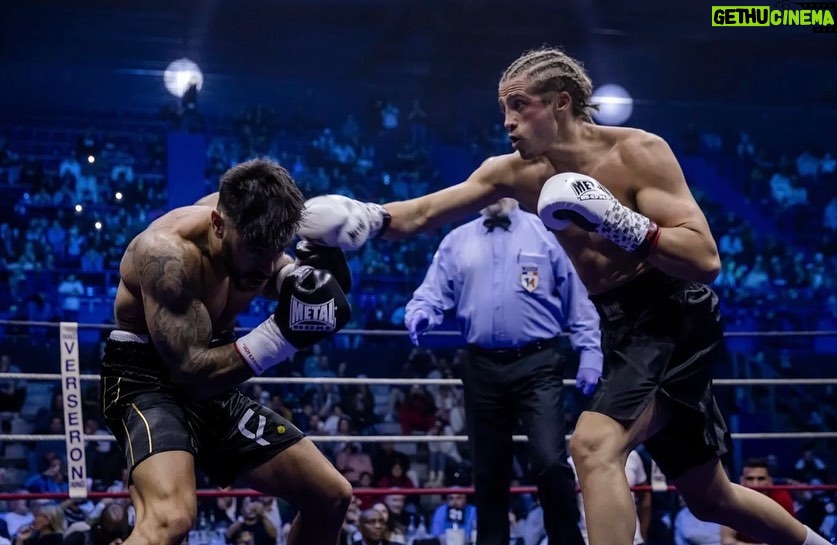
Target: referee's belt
column 507, row 355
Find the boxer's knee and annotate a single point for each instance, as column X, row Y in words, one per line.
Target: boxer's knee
column 596, row 444
column 330, row 507
column 166, row 522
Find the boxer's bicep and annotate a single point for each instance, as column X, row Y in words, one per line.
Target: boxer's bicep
column 662, row 194
column 685, row 247
column 486, row 185
column 178, row 322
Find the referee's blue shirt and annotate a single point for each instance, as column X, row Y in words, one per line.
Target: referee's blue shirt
column 509, row 288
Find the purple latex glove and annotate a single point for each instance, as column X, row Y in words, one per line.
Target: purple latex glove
column 417, row 323
column 587, row 379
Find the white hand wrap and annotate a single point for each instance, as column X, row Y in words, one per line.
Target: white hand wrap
column 628, row 229
column 264, row 347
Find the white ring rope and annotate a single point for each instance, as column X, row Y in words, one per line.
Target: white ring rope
column 70, row 379
column 438, row 381
column 403, row 333
column 423, row 438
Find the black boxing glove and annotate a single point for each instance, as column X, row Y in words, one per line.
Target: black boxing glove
column 311, row 307
column 326, row 257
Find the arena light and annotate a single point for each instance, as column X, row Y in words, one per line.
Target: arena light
column 180, row 74
column 118, row 196
column 91, row 159
column 98, row 225
column 79, row 209
column 615, row 104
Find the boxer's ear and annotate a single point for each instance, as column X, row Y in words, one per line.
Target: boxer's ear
column 218, row 223
column 561, row 101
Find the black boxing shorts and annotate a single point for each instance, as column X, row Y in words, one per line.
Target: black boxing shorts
column 661, row 338
column 227, row 434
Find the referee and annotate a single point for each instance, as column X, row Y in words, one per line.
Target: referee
column 514, row 290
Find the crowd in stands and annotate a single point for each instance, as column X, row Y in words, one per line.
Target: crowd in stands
column 68, row 212
column 75, row 210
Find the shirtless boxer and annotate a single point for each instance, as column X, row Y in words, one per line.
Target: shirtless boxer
column 171, row 367
column 619, row 204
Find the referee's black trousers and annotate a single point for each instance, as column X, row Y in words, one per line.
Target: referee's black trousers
column 496, row 396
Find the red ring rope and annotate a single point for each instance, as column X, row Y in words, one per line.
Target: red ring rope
column 8, row 496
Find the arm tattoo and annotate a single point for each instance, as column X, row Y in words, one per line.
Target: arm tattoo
column 178, row 321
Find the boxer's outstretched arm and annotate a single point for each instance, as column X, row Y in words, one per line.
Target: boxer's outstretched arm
column 487, row 184
column 336, row 220
column 179, row 323
column 686, row 248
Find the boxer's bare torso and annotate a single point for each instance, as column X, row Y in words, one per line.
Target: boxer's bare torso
column 600, row 264
column 173, row 248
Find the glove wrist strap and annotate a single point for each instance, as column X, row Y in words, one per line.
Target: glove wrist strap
column 264, row 347
column 385, row 218
column 652, row 238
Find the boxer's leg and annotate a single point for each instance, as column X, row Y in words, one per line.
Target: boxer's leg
column 250, row 444
column 711, row 496
column 163, row 493
column 600, row 446
column 302, row 476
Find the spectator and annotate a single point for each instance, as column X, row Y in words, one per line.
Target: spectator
column 47, row 528
column 689, row 530
column 52, row 477
column 12, row 391
column 254, row 526
column 455, row 513
column 352, row 462
column 372, row 527
column 396, row 478
column 394, row 531
column 810, row 467
column 441, row 453
column 19, row 515
column 71, row 289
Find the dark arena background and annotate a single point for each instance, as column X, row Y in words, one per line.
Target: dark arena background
column 113, row 112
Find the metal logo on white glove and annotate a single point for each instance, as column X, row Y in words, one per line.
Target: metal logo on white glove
column 586, row 189
column 308, row 317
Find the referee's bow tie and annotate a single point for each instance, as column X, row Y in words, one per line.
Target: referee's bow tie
column 492, row 223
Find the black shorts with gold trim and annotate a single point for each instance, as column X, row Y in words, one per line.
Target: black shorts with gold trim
column 228, row 433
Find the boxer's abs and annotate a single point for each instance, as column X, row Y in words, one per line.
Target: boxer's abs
column 599, row 264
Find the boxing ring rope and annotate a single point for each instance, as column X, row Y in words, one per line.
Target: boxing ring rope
column 244, row 493
column 424, row 438
column 71, row 376
column 404, row 333
column 344, row 381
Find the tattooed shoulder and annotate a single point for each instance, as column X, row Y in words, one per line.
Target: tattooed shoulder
column 169, row 270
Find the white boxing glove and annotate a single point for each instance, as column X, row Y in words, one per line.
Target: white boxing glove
column 335, row 220
column 570, row 197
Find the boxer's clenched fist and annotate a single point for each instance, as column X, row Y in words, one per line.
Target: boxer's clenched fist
column 335, row 220
column 575, row 198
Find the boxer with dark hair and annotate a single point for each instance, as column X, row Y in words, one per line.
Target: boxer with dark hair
column 170, row 370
